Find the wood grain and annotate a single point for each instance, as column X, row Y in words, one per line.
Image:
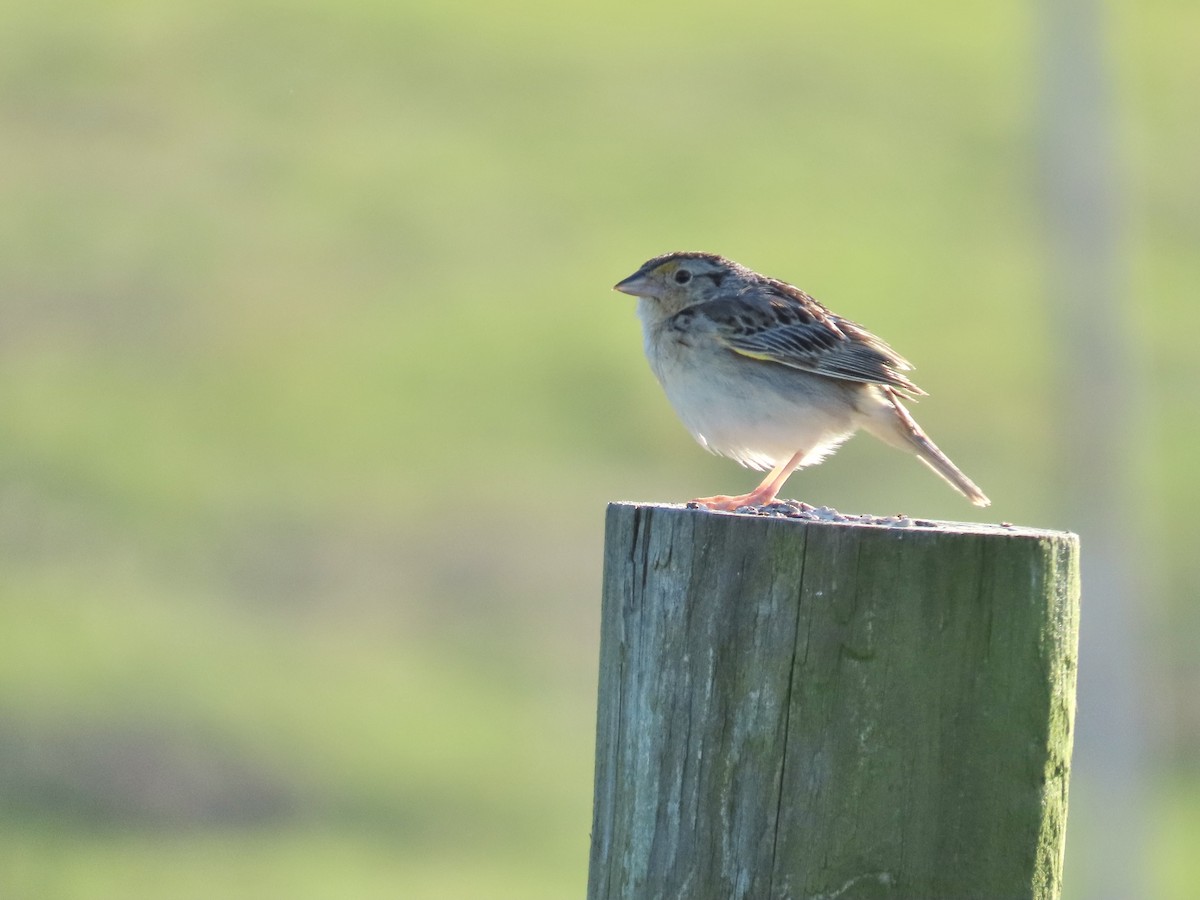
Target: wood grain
column 795, row 709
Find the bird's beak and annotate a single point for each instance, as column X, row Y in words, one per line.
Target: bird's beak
column 636, row 285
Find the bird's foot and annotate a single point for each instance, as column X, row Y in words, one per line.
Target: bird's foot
column 757, row 497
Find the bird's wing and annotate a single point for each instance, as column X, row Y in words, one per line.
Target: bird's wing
column 779, row 323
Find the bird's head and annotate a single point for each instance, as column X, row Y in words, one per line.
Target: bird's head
column 679, row 279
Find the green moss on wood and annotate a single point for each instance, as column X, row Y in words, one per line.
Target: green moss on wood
column 797, row 709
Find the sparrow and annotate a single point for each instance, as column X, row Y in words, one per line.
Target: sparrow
column 760, row 372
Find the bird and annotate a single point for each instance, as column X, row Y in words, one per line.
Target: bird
column 760, row 372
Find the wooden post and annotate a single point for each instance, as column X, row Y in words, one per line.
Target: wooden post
column 802, row 709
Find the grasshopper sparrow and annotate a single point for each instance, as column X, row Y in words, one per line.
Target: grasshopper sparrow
column 761, row 372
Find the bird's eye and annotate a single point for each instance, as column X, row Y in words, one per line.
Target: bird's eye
column 683, row 276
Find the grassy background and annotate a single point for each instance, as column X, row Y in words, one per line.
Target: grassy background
column 313, row 390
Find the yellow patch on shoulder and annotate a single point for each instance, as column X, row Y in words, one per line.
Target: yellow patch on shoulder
column 765, row 357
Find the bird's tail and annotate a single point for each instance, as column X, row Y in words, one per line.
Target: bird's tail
column 895, row 425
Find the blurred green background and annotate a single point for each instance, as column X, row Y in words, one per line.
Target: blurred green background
column 313, row 390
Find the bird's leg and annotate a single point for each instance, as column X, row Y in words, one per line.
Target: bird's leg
column 761, row 495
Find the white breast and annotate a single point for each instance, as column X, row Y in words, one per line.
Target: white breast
column 759, row 414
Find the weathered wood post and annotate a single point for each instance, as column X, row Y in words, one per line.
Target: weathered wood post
column 803, row 709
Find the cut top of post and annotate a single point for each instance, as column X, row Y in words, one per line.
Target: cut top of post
column 795, row 511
